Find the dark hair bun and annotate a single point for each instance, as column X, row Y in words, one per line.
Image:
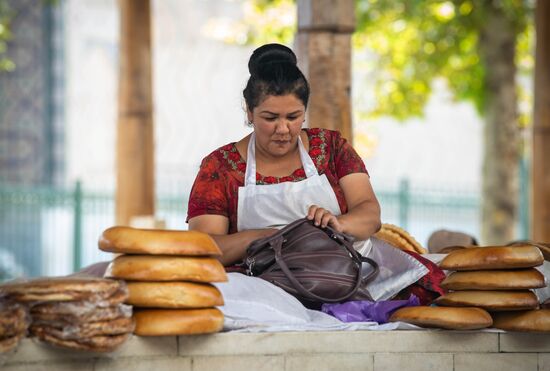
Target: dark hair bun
column 269, row 54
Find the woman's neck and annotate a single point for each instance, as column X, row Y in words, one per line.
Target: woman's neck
column 277, row 166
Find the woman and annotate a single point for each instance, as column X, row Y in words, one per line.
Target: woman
column 280, row 172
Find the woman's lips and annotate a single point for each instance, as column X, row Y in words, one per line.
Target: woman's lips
column 281, row 141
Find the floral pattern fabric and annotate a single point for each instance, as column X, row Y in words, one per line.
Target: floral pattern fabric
column 221, row 173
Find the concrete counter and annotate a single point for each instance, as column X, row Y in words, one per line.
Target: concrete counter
column 302, row 351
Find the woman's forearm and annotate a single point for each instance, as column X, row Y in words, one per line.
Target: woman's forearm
column 362, row 221
column 234, row 245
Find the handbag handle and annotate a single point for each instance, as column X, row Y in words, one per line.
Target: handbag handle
column 277, row 242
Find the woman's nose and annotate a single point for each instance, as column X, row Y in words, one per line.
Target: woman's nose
column 282, row 126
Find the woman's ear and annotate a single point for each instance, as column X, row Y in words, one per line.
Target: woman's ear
column 249, row 115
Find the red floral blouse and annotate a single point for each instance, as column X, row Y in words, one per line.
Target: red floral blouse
column 221, row 173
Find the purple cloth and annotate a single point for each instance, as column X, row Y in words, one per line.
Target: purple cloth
column 368, row 311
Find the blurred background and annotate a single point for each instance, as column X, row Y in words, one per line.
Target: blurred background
column 420, row 100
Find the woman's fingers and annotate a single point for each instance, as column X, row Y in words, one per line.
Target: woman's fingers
column 322, row 217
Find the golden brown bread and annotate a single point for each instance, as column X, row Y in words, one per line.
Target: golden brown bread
column 159, row 322
column 62, row 289
column 450, row 249
column 166, row 268
column 493, row 301
column 492, row 257
column 518, row 279
column 441, row 317
column 173, row 295
column 127, row 240
column 530, row 320
column 543, row 247
column 400, row 238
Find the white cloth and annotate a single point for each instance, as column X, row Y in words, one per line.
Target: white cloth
column 397, row 269
column 255, row 305
column 263, row 206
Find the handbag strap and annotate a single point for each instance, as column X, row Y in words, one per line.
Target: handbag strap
column 277, row 243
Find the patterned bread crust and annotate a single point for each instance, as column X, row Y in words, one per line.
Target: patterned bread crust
column 394, row 239
column 400, row 238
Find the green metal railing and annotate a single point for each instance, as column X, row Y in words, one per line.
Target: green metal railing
column 51, row 231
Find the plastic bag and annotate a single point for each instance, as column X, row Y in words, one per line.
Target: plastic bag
column 367, row 311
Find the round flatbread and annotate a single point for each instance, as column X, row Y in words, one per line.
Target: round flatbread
column 72, row 312
column 160, row 322
column 10, row 343
column 400, row 238
column 166, row 268
column 530, row 321
column 62, row 289
column 543, row 247
column 492, row 257
column 441, row 317
column 174, row 295
column 92, row 344
column 14, row 319
column 86, row 330
column 519, row 279
column 126, row 240
column 492, row 301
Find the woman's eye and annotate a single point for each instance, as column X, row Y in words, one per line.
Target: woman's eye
column 271, row 118
column 293, row 118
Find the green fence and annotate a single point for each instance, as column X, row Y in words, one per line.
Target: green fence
column 47, row 231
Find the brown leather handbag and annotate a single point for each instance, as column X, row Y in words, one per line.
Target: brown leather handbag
column 316, row 265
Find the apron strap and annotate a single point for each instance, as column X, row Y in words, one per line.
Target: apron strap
column 250, row 174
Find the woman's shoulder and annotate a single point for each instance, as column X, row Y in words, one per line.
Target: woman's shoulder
column 226, row 157
column 326, row 135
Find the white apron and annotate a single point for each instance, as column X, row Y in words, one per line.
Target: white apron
column 263, row 206
column 275, row 205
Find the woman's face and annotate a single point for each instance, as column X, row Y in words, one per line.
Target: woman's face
column 277, row 123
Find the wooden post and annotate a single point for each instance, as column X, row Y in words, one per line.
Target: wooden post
column 324, row 54
column 541, row 127
column 135, row 145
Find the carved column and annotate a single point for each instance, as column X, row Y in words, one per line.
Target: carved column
column 324, row 54
column 135, row 143
column 541, row 127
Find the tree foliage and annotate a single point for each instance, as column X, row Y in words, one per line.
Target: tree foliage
column 5, row 35
column 414, row 41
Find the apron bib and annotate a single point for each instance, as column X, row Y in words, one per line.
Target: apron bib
column 263, row 206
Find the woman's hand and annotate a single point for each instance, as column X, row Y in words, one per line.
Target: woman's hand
column 322, row 217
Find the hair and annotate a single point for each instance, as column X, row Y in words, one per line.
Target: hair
column 273, row 71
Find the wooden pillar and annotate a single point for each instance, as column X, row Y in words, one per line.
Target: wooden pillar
column 135, row 145
column 541, row 127
column 324, row 54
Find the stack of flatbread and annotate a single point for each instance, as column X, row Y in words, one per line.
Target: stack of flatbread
column 499, row 279
column 169, row 276
column 493, row 279
column 400, row 238
column 14, row 321
column 85, row 313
